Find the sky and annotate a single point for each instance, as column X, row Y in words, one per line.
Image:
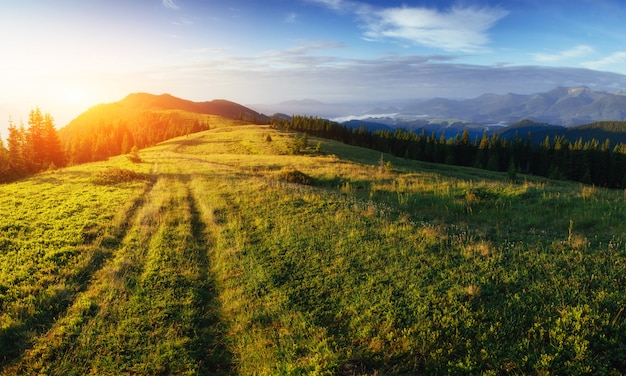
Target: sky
column 65, row 56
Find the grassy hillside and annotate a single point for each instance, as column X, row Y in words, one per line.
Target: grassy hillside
column 211, row 256
column 141, row 120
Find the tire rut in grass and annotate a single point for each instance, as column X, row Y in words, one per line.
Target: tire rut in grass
column 152, row 309
column 208, row 345
column 100, row 249
column 56, row 336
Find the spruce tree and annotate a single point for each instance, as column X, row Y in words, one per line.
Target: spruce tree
column 511, row 172
column 53, row 151
column 4, row 163
column 35, row 141
column 16, row 143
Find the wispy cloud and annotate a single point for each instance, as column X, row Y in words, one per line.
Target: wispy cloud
column 306, row 56
column 171, row 4
column 206, row 50
column 316, row 46
column 459, row 28
column 615, row 62
column 291, row 17
column 337, row 5
column 572, row 53
column 306, row 71
column 181, row 21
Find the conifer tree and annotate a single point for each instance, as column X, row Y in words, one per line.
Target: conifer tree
column 4, row 163
column 43, row 144
column 16, row 143
column 35, row 142
column 53, row 151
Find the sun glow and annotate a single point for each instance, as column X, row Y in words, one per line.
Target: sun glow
column 74, row 95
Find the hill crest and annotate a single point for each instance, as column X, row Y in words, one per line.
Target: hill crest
column 141, row 120
column 218, row 107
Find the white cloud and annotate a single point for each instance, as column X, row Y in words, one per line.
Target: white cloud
column 170, row 4
column 310, row 70
column 456, row 29
column 575, row 52
column 614, row 62
column 459, row 29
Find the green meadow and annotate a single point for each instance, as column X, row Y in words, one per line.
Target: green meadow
column 224, row 252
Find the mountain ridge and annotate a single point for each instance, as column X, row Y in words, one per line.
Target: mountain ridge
column 219, row 107
column 141, row 120
column 567, row 106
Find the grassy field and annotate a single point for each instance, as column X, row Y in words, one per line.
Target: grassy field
column 213, row 257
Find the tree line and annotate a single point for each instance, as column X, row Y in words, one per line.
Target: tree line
column 30, row 149
column 101, row 133
column 590, row 162
column 92, row 137
column 39, row 147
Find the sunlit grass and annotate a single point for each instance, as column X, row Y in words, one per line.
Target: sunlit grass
column 221, row 261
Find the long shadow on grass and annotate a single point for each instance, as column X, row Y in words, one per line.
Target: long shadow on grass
column 16, row 338
column 208, row 340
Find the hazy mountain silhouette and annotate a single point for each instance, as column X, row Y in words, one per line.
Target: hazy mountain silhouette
column 560, row 106
column 220, row 107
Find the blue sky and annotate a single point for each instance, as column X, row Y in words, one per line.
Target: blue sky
column 67, row 55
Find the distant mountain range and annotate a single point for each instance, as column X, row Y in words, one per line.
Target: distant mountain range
column 560, row 106
column 142, row 119
column 566, row 106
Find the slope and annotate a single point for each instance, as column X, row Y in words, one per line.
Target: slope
column 142, row 120
column 220, row 262
column 219, row 107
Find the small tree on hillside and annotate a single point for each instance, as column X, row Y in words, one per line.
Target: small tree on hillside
column 134, row 155
column 512, row 172
column 300, row 143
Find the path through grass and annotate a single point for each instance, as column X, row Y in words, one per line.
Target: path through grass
column 219, row 264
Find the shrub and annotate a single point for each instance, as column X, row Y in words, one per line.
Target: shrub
column 114, row 175
column 295, row 176
column 134, row 155
column 299, row 144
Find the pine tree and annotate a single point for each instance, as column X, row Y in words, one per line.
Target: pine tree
column 16, row 145
column 511, row 172
column 43, row 148
column 53, row 151
column 4, row 163
column 35, row 141
column 126, row 144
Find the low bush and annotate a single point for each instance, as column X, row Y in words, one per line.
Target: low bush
column 114, row 175
column 134, row 155
column 295, row 176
